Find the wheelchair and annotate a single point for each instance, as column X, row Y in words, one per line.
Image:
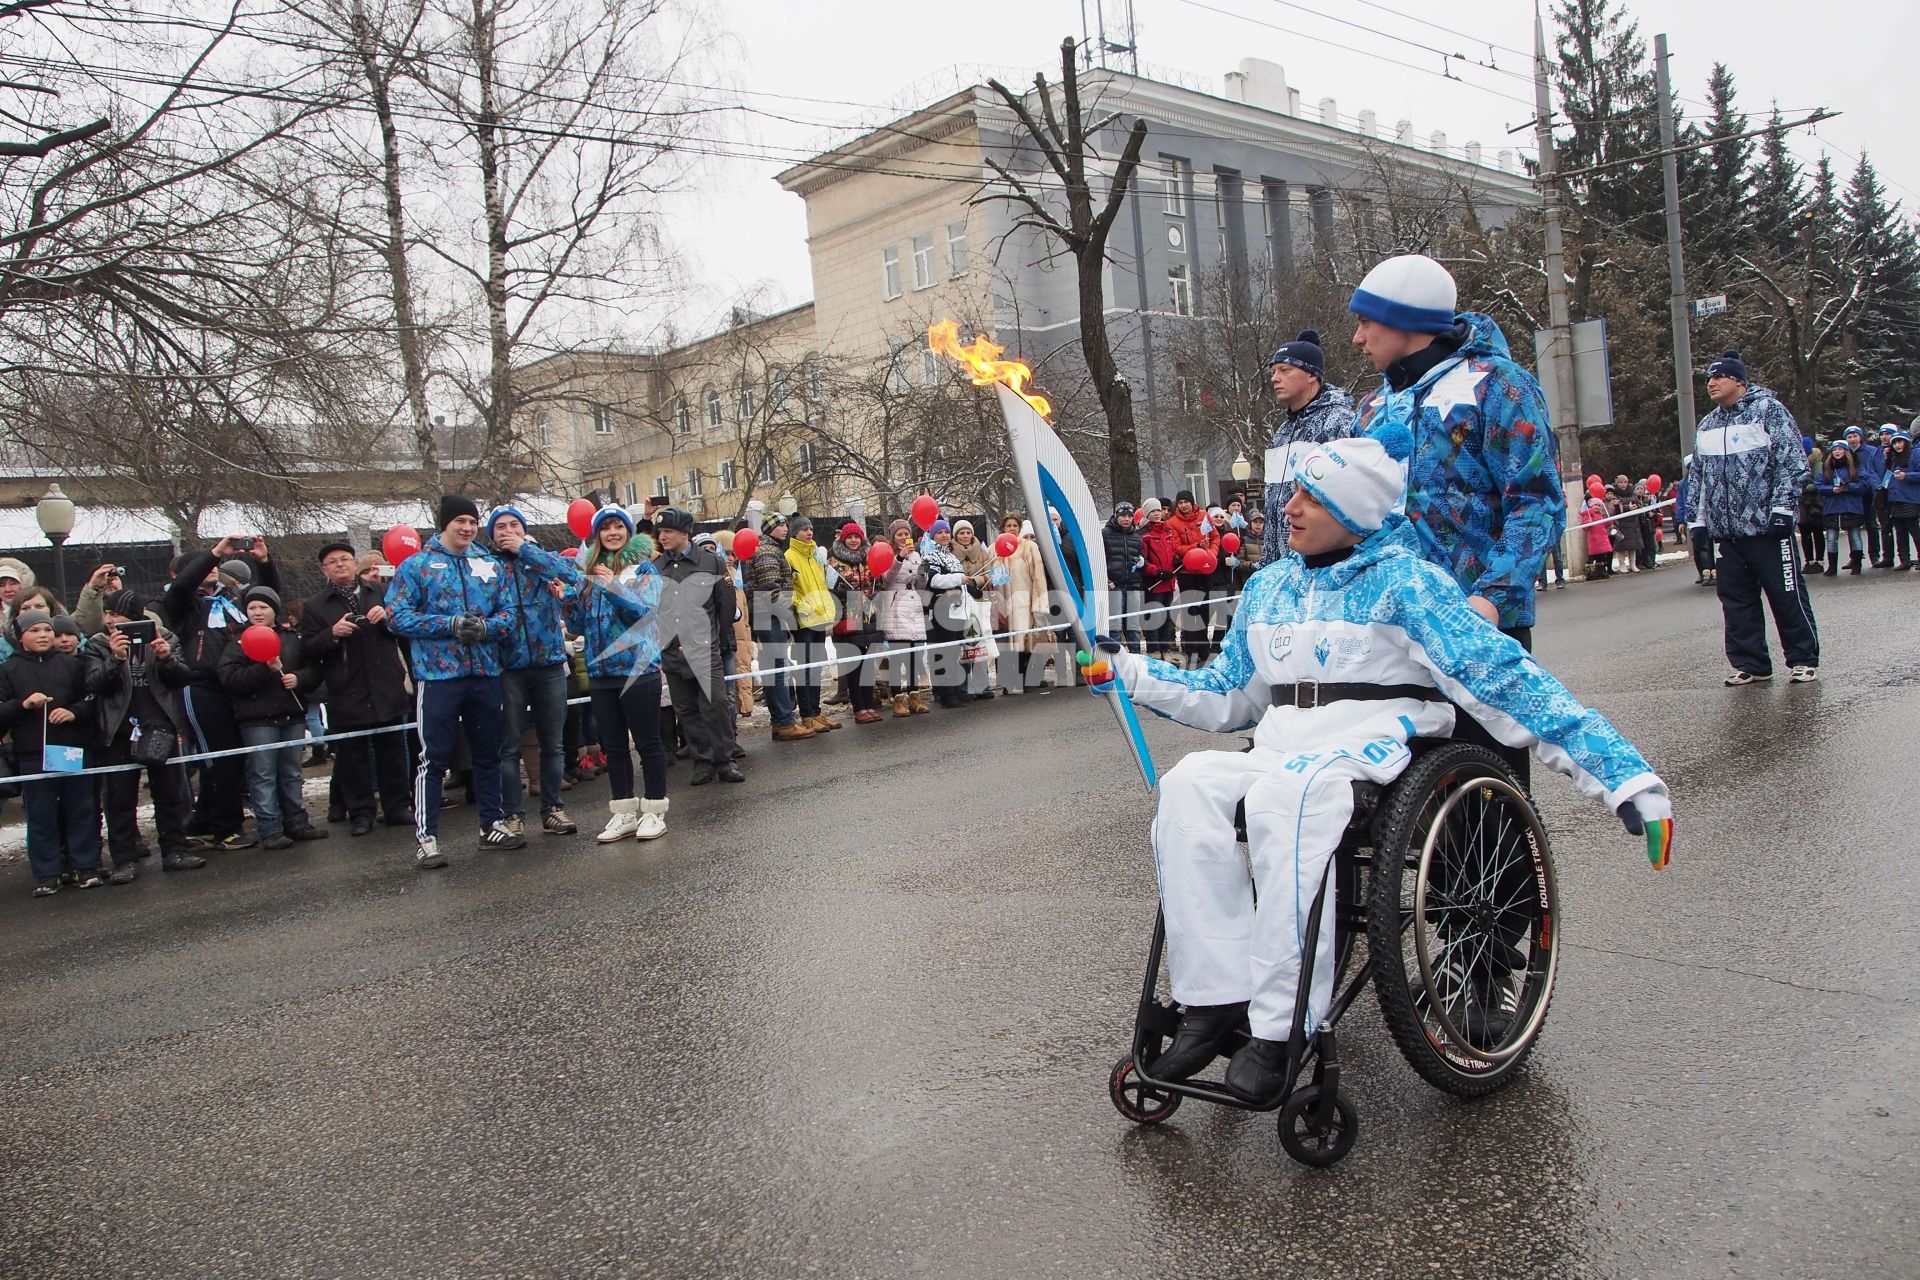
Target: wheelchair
column 1445, row 901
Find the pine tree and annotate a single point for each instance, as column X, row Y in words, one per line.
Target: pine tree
column 1717, row 217
column 1884, row 376
column 1778, row 195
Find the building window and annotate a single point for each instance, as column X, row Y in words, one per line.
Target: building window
column 890, row 272
column 923, row 261
column 1189, row 393
column 1193, row 478
column 897, row 372
column 765, row 474
column 633, row 493
column 544, row 431
column 602, row 420
column 1175, row 175
column 694, row 483
column 713, row 408
column 816, row 381
column 744, row 402
column 803, row 457
column 662, row 488
column 932, row 367
column 779, row 390
column 729, row 481
column 682, row 420
column 1182, row 290
column 956, row 250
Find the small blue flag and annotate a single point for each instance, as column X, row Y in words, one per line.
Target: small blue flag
column 63, row 759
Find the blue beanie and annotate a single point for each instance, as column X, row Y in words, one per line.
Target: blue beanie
column 1412, row 293
column 939, row 526
column 612, row 511
column 1729, row 365
column 507, row 509
column 1303, row 352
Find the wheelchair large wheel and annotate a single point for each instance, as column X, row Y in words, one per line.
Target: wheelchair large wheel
column 1462, row 922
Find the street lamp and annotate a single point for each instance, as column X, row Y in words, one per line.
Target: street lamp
column 788, row 505
column 1242, row 469
column 55, row 516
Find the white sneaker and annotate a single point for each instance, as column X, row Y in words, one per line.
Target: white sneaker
column 428, row 855
column 1805, row 675
column 1739, row 678
column 623, row 818
column 653, row 820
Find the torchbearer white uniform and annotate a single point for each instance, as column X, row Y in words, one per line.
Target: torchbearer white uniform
column 1382, row 616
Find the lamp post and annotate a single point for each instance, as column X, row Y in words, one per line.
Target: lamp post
column 1242, row 469
column 787, row 505
column 55, row 513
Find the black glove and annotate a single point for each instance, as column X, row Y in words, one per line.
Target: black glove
column 1780, row 525
column 1107, row 644
column 470, row 628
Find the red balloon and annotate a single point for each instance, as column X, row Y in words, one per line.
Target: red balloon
column 1005, row 545
column 580, row 514
column 1595, row 489
column 1654, row 482
column 1594, row 479
column 745, row 543
column 400, row 542
column 1229, row 542
column 570, row 552
column 262, row 644
column 1198, row 560
column 880, row 558
column 925, row 511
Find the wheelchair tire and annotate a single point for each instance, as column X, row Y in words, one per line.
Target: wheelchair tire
column 1309, row 1146
column 1462, row 922
column 1134, row 1099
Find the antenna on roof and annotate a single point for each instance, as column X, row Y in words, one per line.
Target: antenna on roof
column 1116, row 48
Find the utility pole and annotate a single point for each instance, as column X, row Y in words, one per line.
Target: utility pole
column 1676, row 256
column 1559, row 358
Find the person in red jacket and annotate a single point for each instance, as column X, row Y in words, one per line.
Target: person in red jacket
column 1158, row 578
column 1191, row 528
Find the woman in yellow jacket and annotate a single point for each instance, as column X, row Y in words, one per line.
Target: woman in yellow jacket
column 814, row 613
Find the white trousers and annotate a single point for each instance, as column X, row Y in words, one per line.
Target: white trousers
column 1222, row 948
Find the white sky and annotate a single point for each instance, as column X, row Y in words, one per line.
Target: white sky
column 841, row 62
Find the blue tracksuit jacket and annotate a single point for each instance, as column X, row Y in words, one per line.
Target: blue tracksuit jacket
column 434, row 586
column 1483, row 485
column 1899, row 490
column 618, row 622
column 1748, row 463
column 536, row 638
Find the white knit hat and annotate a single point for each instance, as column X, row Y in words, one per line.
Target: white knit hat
column 1411, row 292
column 1360, row 481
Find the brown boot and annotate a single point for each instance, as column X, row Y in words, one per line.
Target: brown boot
column 791, row 732
column 900, row 705
column 917, row 705
column 819, row 724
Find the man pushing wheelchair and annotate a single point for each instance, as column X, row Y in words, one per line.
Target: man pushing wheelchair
column 1340, row 655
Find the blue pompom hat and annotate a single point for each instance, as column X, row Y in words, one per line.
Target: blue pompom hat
column 612, row 511
column 1412, row 293
column 1729, row 365
column 1304, row 352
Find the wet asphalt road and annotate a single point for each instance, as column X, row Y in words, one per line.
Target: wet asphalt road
column 855, row 1018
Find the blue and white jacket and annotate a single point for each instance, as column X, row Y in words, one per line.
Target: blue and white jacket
column 1907, row 489
column 1748, row 464
column 431, row 588
column 536, row 639
column 618, row 622
column 1384, row 615
column 1483, row 485
column 1844, row 494
column 1328, row 416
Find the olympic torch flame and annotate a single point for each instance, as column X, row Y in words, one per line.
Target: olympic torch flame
column 983, row 362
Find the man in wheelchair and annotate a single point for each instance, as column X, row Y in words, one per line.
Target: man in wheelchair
column 1340, row 653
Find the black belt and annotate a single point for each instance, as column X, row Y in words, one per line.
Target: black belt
column 1308, row 694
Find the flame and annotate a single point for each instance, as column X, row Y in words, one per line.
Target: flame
column 985, row 366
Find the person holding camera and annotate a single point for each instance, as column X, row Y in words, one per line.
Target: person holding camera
column 89, row 608
column 344, row 632
column 138, row 679
column 201, row 606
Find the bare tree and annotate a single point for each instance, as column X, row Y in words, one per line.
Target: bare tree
column 1068, row 142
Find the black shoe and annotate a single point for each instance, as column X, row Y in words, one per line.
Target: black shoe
column 727, row 773
column 1258, row 1072
column 91, row 878
column 277, row 843
column 1202, row 1037
column 46, row 887
column 404, row 818
column 181, row 862
column 681, row 753
column 702, row 775
column 336, row 813
column 238, row 840
column 739, row 753
column 309, row 833
column 140, row 851
column 360, row 826
column 124, row 873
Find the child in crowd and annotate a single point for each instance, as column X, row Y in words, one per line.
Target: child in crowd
column 269, row 706
column 49, row 711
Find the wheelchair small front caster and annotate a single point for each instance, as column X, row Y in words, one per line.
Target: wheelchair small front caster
column 1310, row 1145
column 1136, row 1100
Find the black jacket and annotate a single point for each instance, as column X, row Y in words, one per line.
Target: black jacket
column 254, row 688
column 696, row 610
column 186, row 612
column 1123, row 553
column 112, row 681
column 63, row 678
column 366, row 673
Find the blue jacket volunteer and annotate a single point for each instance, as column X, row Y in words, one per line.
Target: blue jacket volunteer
column 533, row 661
column 450, row 599
column 1748, row 469
column 1315, row 413
column 1355, row 603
